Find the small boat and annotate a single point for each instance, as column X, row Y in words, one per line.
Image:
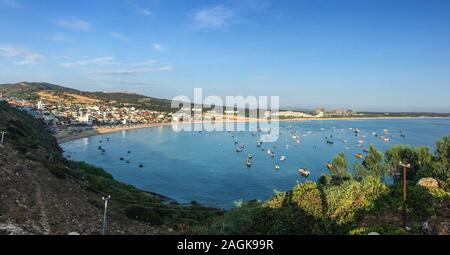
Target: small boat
column 242, row 146
column 330, row 142
column 277, row 167
column 141, row 165
column 282, row 158
column 366, row 150
column 287, row 146
column 361, row 141
column 250, row 156
column 330, row 166
column 99, row 147
column 121, row 159
column 402, row 135
column 304, row 172
column 128, row 162
column 129, row 152
column 357, row 131
column 248, row 163
column 259, row 144
column 239, row 150
column 359, row 156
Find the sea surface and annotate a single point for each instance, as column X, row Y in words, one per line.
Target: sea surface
column 205, row 167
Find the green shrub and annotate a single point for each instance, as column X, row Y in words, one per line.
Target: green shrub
column 144, row 214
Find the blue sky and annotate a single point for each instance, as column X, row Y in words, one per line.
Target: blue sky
column 379, row 55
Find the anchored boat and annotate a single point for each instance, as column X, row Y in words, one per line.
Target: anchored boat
column 304, row 172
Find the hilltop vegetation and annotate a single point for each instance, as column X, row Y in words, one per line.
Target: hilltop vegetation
column 36, row 90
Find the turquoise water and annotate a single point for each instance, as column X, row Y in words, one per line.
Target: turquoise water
column 205, row 167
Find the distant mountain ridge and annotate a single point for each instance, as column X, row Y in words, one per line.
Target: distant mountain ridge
column 31, row 90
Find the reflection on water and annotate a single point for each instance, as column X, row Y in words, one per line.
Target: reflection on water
column 204, row 166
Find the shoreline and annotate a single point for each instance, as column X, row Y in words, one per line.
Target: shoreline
column 64, row 138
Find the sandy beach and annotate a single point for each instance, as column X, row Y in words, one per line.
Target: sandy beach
column 83, row 132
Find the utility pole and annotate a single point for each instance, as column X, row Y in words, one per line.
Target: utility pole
column 3, row 135
column 104, row 215
column 405, row 166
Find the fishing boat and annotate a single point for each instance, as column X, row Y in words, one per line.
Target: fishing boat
column 282, row 158
column 304, row 172
column 330, row 166
column 359, row 156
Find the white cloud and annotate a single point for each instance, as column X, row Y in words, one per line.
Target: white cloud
column 158, row 47
column 121, row 37
column 10, row 3
column 19, row 55
column 137, row 71
column 75, row 24
column 215, row 17
column 90, row 61
column 144, row 11
column 106, row 61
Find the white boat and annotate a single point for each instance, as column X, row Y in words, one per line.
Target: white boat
column 282, row 158
column 277, row 167
column 361, row 141
column 304, row 172
column 248, row 163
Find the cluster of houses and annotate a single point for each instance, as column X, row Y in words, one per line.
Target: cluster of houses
column 60, row 116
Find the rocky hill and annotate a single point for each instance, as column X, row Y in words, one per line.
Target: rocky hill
column 47, row 91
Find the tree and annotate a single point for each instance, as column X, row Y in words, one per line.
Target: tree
column 374, row 162
column 340, row 167
column 443, row 149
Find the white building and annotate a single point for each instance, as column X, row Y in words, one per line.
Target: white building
column 86, row 119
